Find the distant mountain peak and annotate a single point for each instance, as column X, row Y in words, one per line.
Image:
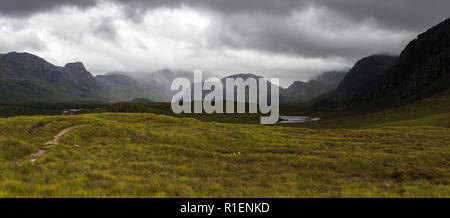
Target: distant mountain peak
column 75, row 67
column 300, row 91
column 331, row 78
column 14, row 56
column 20, row 53
column 244, row 76
column 297, row 83
column 365, row 73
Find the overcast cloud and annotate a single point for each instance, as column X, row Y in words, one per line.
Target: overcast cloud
column 289, row 39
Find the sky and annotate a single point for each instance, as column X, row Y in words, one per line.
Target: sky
column 287, row 39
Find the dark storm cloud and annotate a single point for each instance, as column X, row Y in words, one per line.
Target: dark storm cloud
column 415, row 15
column 282, row 35
column 336, row 28
column 269, row 26
column 221, row 6
column 19, row 8
column 404, row 14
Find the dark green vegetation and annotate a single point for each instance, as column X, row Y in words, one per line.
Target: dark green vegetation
column 9, row 110
column 141, row 101
column 165, row 109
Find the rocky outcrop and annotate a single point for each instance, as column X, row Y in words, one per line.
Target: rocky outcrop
column 421, row 69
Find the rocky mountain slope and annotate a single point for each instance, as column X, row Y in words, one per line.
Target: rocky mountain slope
column 25, row 77
column 364, row 75
column 421, row 71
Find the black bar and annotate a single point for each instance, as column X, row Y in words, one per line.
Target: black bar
column 239, row 207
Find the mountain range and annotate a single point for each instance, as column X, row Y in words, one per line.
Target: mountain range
column 421, row 70
column 297, row 92
column 26, row 77
column 300, row 92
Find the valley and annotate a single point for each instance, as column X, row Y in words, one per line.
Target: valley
column 382, row 129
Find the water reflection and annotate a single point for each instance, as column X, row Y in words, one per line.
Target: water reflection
column 297, row 119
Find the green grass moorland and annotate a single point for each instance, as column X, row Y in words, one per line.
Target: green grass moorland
column 148, row 155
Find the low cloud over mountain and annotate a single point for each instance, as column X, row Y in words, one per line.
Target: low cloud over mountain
column 292, row 40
